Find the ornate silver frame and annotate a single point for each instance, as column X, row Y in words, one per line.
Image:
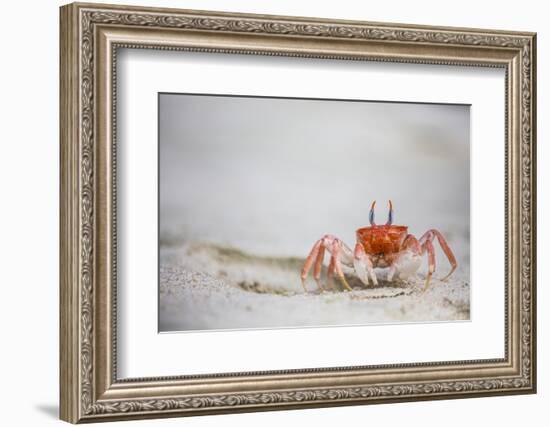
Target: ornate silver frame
column 90, row 36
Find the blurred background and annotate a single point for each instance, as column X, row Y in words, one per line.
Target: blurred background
column 269, row 176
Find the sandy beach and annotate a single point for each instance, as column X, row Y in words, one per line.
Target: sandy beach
column 205, row 287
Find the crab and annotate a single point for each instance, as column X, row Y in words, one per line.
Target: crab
column 377, row 246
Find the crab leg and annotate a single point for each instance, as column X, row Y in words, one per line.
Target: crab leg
column 412, row 243
column 337, row 264
column 331, row 267
column 341, row 254
column 309, row 261
column 431, row 261
column 317, row 267
column 429, row 236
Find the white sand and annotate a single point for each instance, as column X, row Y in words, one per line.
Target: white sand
column 205, row 286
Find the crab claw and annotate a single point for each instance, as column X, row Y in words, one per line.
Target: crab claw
column 371, row 213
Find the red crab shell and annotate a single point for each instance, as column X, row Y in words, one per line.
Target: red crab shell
column 382, row 239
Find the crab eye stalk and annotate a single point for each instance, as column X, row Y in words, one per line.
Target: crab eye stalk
column 390, row 214
column 371, row 213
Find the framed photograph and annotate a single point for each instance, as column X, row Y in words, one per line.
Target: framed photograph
column 266, row 212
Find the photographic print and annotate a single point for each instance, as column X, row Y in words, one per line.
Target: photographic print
column 291, row 212
column 245, row 182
